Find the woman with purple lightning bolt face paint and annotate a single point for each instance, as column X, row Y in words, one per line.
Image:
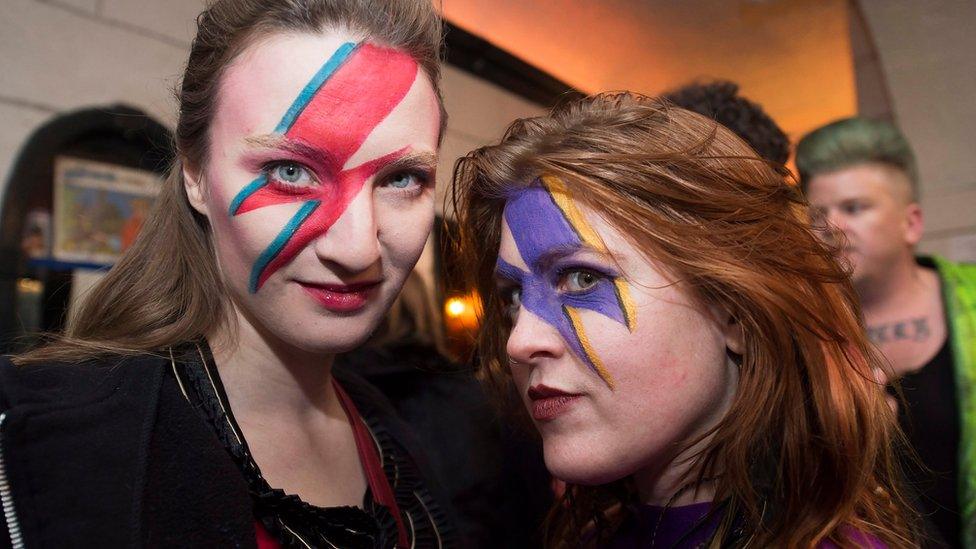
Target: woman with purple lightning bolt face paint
column 200, row 402
column 688, row 350
column 546, row 225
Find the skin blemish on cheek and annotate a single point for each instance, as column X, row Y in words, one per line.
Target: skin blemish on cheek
column 543, row 217
column 356, row 88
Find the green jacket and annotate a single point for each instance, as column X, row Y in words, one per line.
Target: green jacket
column 959, row 298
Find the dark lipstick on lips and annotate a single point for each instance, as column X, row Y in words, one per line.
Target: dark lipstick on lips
column 341, row 298
column 548, row 403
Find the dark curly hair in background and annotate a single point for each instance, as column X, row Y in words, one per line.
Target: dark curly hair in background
column 720, row 101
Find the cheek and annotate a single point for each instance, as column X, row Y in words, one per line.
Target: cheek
column 234, row 239
column 648, row 372
column 404, row 226
column 239, row 241
column 673, row 352
column 520, row 375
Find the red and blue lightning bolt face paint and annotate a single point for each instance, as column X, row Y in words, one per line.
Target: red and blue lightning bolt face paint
column 353, row 91
column 318, row 183
column 546, row 225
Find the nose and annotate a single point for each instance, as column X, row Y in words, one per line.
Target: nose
column 533, row 339
column 352, row 242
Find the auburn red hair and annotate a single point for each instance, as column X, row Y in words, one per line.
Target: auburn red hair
column 805, row 452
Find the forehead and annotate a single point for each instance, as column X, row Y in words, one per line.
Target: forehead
column 537, row 221
column 263, row 82
column 270, row 73
column 859, row 181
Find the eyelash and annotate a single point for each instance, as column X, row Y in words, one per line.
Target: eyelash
column 423, row 180
column 564, row 272
column 506, row 295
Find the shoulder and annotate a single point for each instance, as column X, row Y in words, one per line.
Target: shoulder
column 956, row 273
column 66, row 384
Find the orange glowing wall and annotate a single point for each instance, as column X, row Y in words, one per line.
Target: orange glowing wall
column 791, row 56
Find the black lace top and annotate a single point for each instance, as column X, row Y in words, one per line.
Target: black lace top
column 295, row 523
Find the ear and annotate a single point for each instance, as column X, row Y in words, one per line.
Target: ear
column 194, row 190
column 734, row 340
column 914, row 223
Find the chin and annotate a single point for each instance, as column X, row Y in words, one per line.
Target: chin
column 329, row 336
column 332, row 347
column 585, row 467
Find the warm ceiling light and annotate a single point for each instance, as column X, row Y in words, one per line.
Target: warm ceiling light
column 29, row 286
column 455, row 307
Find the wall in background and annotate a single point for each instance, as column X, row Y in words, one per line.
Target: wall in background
column 792, row 56
column 913, row 63
column 925, row 50
column 60, row 55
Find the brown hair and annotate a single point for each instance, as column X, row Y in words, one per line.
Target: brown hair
column 804, row 454
column 166, row 289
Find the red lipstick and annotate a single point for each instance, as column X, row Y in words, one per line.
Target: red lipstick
column 341, row 298
column 548, row 403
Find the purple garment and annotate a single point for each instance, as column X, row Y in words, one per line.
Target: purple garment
column 660, row 527
column 866, row 541
column 688, row 527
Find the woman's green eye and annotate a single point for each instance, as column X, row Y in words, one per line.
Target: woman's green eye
column 578, row 281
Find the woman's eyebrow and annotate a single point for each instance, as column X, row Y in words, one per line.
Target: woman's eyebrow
column 283, row 143
column 424, row 160
column 555, row 254
column 507, row 271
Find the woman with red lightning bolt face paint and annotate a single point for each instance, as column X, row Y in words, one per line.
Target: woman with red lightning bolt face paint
column 336, row 111
column 319, row 190
column 319, row 194
column 201, row 400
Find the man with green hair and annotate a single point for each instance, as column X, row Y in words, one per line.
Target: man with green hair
column 860, row 178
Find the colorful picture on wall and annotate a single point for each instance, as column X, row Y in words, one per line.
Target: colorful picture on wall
column 99, row 209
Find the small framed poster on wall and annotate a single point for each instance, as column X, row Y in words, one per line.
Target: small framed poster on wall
column 99, row 209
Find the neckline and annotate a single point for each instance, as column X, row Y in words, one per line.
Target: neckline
column 282, row 513
column 702, row 505
column 213, row 375
column 682, row 526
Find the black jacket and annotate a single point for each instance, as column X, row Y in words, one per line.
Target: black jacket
column 109, row 453
column 489, row 464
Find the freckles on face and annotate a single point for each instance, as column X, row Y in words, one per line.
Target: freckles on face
column 330, row 119
column 547, row 226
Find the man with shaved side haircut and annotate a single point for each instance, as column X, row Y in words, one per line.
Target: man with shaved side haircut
column 862, row 183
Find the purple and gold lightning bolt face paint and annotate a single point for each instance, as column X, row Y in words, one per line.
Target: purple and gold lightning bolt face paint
column 545, row 223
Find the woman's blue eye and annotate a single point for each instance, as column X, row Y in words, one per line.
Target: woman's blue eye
column 291, row 174
column 577, row 280
column 402, row 180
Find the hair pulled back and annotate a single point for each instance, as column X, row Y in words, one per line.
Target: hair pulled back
column 166, row 288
